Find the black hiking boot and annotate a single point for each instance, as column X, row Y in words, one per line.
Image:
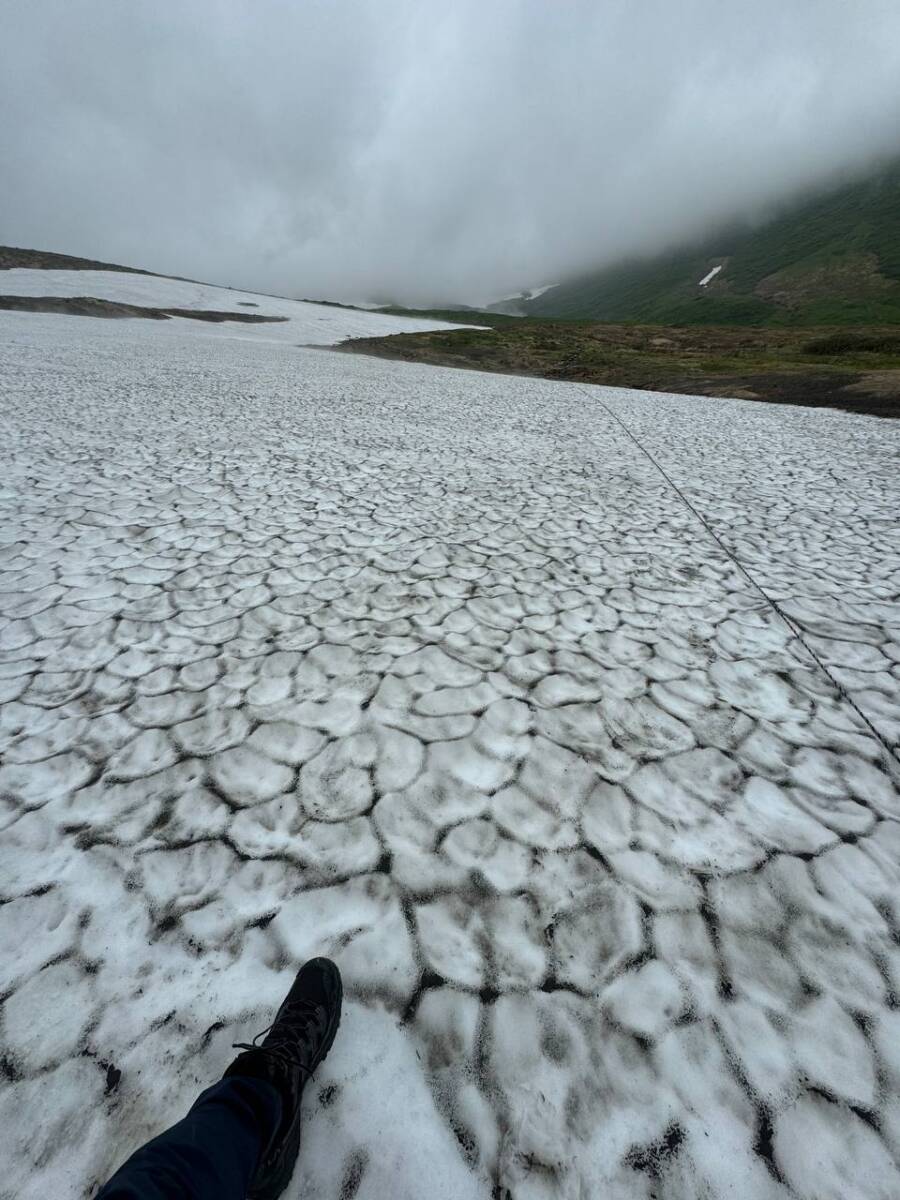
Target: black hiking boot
column 295, row 1043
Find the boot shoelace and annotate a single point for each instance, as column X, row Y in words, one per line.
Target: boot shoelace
column 283, row 1046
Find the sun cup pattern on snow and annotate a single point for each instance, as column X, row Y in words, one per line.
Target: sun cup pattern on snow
column 433, row 673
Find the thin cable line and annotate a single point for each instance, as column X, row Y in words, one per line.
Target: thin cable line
column 842, row 691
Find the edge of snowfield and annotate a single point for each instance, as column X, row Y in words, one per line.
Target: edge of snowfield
column 307, row 323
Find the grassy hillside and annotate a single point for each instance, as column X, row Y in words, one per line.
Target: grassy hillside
column 830, row 260
column 853, row 369
column 457, row 316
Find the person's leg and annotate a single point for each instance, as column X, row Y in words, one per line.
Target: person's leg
column 242, row 1136
column 212, row 1154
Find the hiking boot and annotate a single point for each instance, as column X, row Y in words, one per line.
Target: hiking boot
column 294, row 1045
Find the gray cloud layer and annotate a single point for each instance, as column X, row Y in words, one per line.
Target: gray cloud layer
column 372, row 148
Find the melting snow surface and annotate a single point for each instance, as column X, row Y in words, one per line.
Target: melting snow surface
column 312, row 324
column 432, row 672
column 711, row 276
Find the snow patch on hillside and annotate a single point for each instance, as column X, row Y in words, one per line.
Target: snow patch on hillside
column 708, row 278
column 307, row 323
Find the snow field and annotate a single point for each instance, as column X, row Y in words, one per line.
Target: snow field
column 433, row 673
column 308, row 324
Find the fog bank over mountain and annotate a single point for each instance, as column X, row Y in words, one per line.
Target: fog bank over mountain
column 405, row 151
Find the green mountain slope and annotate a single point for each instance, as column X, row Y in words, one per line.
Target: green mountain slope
column 830, row 260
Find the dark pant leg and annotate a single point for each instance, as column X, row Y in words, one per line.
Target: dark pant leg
column 209, row 1155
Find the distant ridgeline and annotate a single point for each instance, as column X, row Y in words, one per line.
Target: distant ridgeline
column 831, row 260
column 47, row 260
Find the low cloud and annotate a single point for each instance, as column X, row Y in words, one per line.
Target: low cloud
column 395, row 149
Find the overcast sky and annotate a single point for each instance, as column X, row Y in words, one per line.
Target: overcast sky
column 365, row 149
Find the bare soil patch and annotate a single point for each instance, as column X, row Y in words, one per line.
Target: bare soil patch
column 48, row 260
column 91, row 306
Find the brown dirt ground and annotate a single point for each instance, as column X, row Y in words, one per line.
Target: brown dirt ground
column 90, row 306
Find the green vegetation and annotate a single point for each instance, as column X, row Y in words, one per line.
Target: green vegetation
column 455, row 315
column 850, row 342
column 858, row 370
column 833, row 259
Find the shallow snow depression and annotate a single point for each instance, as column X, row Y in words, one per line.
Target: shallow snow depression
column 435, row 673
